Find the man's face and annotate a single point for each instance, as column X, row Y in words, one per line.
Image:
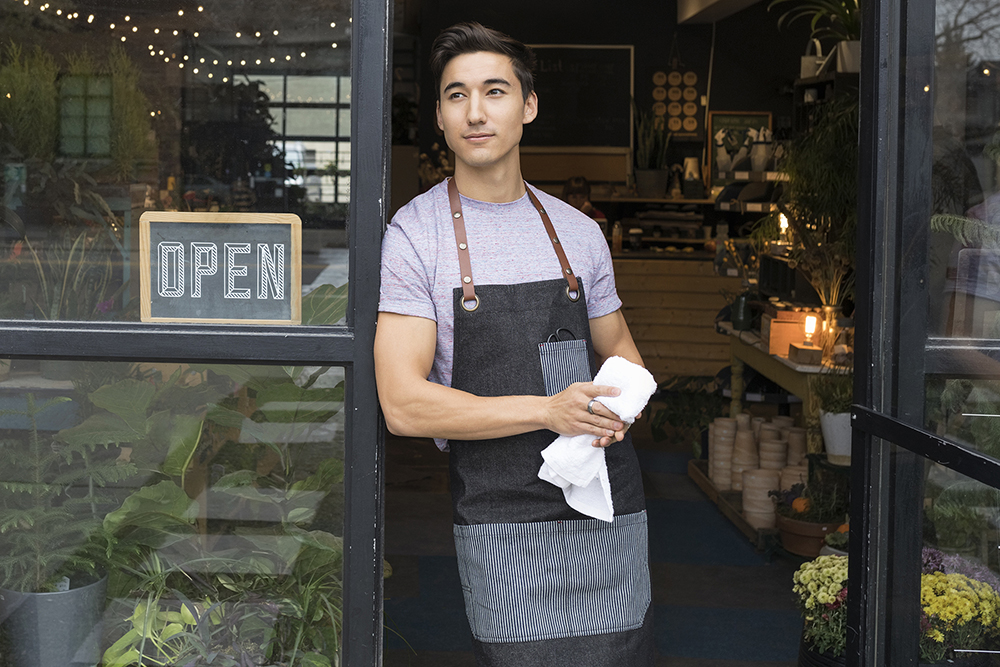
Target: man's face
column 482, row 110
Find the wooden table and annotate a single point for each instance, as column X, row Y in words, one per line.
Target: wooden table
column 747, row 349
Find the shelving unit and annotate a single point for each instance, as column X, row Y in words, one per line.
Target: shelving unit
column 753, row 176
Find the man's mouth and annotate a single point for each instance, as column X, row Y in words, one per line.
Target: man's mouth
column 477, row 137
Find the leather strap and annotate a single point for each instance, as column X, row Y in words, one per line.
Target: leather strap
column 465, row 263
column 574, row 286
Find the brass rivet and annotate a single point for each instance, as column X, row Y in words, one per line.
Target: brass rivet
column 462, row 246
column 466, row 280
column 569, row 272
column 555, row 240
column 457, row 215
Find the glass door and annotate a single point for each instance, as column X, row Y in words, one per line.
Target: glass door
column 925, row 526
column 189, row 431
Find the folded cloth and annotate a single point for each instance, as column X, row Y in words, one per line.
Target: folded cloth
column 574, row 464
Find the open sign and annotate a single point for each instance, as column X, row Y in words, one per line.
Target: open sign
column 220, row 267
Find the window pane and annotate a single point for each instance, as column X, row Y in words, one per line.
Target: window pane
column 312, row 89
column 311, row 122
column 190, row 119
column 225, row 507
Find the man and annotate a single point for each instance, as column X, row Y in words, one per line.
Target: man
column 476, row 274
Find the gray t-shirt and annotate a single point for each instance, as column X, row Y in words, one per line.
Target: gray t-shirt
column 507, row 246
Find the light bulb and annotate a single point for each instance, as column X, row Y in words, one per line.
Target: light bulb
column 810, row 328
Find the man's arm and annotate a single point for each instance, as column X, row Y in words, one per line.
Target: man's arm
column 612, row 338
column 414, row 406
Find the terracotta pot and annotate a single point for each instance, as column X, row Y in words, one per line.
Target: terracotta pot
column 803, row 538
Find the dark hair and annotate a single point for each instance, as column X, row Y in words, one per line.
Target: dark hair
column 577, row 185
column 472, row 37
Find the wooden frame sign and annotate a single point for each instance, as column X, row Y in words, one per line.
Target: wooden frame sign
column 222, row 268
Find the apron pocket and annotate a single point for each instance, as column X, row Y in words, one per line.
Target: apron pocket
column 563, row 363
column 548, row 580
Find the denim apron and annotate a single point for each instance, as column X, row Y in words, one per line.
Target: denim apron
column 543, row 584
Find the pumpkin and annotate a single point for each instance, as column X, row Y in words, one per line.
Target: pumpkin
column 843, row 528
column 800, row 505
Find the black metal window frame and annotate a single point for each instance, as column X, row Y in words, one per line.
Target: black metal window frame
column 349, row 346
column 894, row 356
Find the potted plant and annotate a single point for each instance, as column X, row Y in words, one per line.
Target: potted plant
column 53, row 552
column 834, row 392
column 651, row 141
column 959, row 602
column 836, row 19
column 806, row 514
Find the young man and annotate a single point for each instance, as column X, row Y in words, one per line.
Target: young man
column 476, row 274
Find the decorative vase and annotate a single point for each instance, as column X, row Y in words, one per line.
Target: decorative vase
column 652, row 183
column 803, row 538
column 836, row 428
column 54, row 629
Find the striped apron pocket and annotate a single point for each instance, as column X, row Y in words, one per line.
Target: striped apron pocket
column 548, row 580
column 563, row 363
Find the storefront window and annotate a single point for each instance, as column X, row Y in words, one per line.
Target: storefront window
column 110, row 112
column 179, row 510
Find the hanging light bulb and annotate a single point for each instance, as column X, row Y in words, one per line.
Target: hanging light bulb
column 128, row 18
column 225, row 79
column 257, row 34
column 215, row 62
column 90, row 19
column 288, row 57
column 335, row 45
column 238, row 35
column 123, row 38
column 195, row 70
column 333, row 25
column 303, row 54
column 156, row 31
column 200, row 8
column 202, row 60
column 196, row 34
column 275, row 33
column 175, row 33
column 112, row 25
column 209, row 75
column 180, row 12
column 272, row 60
column 135, row 28
column 186, row 57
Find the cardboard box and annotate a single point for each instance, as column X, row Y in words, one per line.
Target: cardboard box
column 779, row 334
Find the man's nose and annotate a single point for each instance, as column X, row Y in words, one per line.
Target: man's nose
column 477, row 111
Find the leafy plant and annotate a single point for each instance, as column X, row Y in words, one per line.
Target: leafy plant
column 837, row 19
column 651, row 139
column 51, row 523
column 819, row 199
column 29, row 109
column 130, row 121
column 823, row 500
column 833, row 391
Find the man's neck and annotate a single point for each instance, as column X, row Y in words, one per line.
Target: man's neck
column 498, row 184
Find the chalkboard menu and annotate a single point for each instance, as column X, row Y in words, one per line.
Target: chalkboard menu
column 220, row 267
column 584, row 97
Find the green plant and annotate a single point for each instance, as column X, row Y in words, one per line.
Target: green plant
column 651, row 139
column 838, row 539
column 837, row 19
column 833, row 391
column 819, row 200
column 51, row 523
column 690, row 405
column 130, row 120
column 29, row 108
column 823, row 500
column 957, row 524
column 821, row 589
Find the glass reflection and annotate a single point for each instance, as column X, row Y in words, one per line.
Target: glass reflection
column 195, row 510
column 107, row 111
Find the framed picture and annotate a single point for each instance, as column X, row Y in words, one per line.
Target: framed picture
column 736, row 123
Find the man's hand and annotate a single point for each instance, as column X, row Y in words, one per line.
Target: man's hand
column 577, row 411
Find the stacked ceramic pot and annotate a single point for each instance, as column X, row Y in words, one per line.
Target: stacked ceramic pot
column 758, row 508
column 792, row 475
column 773, row 451
column 796, row 439
column 744, row 451
column 721, row 453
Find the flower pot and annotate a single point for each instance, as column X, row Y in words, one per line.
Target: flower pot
column 803, row 538
column 849, row 56
column 836, row 427
column 811, row 658
column 53, row 629
column 652, row 183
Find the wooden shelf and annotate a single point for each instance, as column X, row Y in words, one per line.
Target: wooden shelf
column 747, row 206
column 646, row 200
column 753, row 176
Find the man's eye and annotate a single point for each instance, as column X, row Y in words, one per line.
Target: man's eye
column 497, row 91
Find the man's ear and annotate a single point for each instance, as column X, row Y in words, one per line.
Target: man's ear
column 530, row 108
column 437, row 113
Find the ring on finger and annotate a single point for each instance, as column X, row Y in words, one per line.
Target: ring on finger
column 590, row 406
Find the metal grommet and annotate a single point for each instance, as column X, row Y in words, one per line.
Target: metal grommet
column 462, row 246
column 467, row 308
column 569, row 295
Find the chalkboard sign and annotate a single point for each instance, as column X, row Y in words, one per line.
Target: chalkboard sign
column 736, row 124
column 584, row 97
column 220, row 267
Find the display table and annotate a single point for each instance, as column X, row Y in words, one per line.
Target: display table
column 746, row 348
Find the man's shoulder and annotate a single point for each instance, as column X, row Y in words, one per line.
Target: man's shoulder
column 421, row 207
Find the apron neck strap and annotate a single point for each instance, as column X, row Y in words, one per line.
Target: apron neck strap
column 465, row 264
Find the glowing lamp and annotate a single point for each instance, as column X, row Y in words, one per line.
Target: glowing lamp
column 810, row 325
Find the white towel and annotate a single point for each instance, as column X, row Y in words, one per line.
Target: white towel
column 574, row 464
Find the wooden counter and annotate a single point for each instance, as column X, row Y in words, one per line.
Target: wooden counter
column 670, row 306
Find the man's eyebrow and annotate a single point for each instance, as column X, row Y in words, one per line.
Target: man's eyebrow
column 454, row 84
column 487, row 82
column 493, row 82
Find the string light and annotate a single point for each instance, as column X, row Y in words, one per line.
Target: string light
column 200, row 8
column 112, row 26
column 196, row 34
column 156, row 31
column 238, row 35
column 333, row 25
column 90, row 19
column 128, row 18
column 257, row 34
column 335, row 45
column 135, row 28
column 195, row 70
column 225, row 79
column 202, row 60
column 123, row 38
column 275, row 33
column 175, row 33
column 303, row 54
column 272, row 60
column 180, row 12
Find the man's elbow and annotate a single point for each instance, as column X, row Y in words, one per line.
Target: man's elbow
column 398, row 422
